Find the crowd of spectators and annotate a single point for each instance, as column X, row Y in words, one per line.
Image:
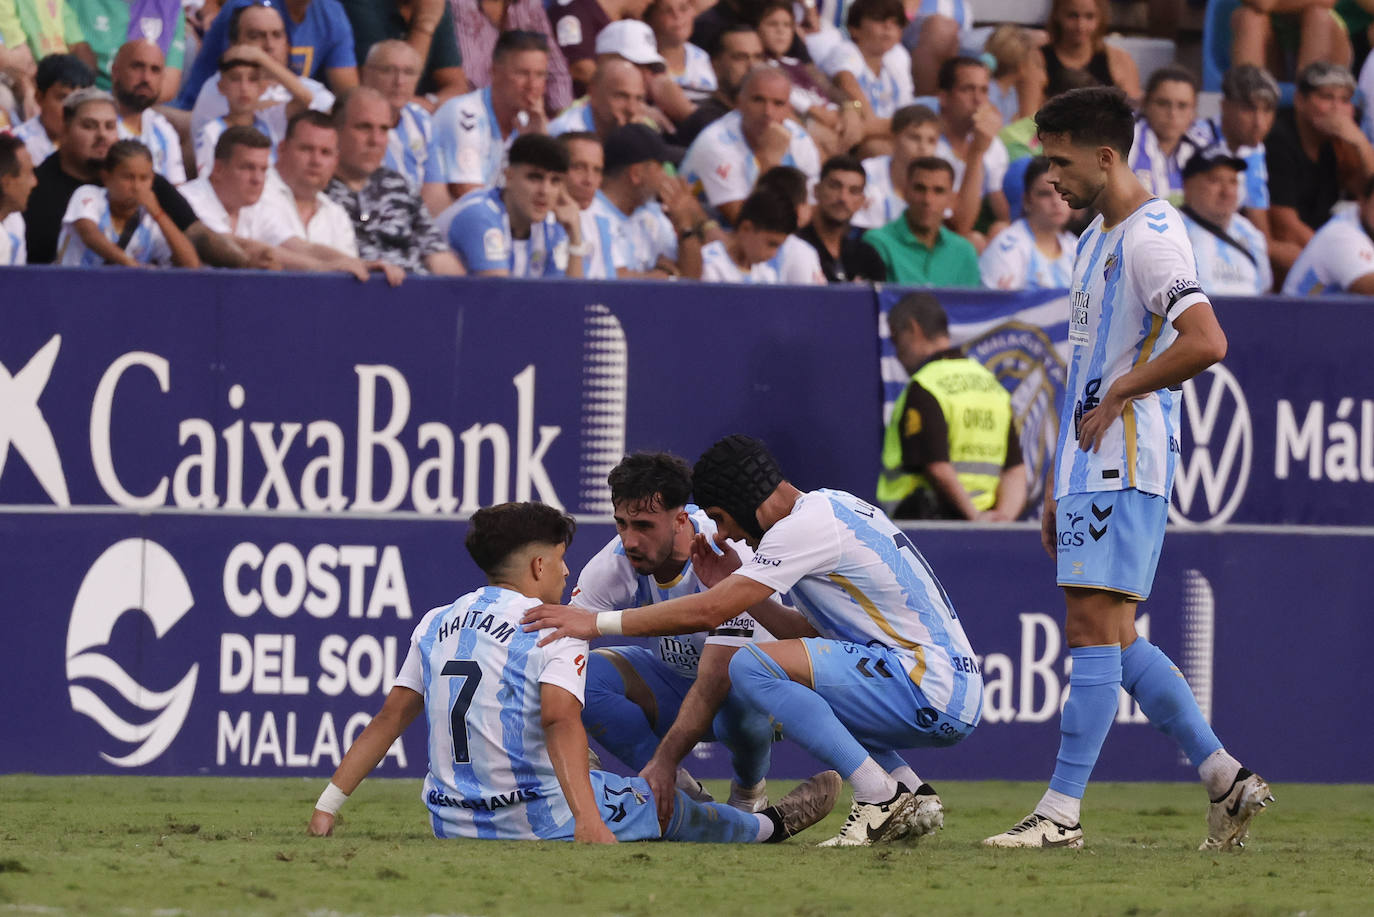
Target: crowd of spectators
column 759, row 141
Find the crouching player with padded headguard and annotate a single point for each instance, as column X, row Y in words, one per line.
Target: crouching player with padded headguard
column 877, row 660
column 507, row 750
column 653, row 705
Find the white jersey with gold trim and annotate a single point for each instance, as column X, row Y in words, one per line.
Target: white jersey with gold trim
column 856, row 577
column 1129, row 285
column 609, row 583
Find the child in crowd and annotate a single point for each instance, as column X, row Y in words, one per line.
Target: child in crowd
column 241, row 82
column 122, row 223
column 765, row 221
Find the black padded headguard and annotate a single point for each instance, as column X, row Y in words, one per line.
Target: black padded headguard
column 736, row 474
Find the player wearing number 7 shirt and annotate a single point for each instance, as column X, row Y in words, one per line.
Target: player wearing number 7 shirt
column 507, row 751
column 877, row 660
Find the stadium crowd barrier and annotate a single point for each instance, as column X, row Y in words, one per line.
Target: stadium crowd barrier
column 227, row 498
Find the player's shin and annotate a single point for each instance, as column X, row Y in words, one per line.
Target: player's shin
column 715, row 823
column 1165, row 698
column 1087, row 716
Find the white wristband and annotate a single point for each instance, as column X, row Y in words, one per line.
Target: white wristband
column 332, row 799
column 608, row 622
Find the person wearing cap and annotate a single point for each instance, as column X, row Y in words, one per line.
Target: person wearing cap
column 642, row 240
column 869, row 602
column 89, row 129
column 1232, row 253
column 635, row 42
column 615, row 97
column 529, row 227
column 473, row 132
column 730, row 154
column 1036, row 251
column 1340, row 257
column 577, row 24
column 1249, row 102
column 1316, row 153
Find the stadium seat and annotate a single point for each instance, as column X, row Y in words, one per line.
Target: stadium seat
column 1022, row 12
column 1149, row 54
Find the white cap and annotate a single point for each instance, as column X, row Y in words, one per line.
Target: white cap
column 632, row 40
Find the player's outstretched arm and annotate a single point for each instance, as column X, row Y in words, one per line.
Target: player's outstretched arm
column 561, row 717
column 685, row 615
column 401, row 707
column 694, row 718
column 1199, row 344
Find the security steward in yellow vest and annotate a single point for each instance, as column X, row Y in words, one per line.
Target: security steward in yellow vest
column 951, row 450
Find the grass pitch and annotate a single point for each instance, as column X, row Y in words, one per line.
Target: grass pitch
column 212, row 845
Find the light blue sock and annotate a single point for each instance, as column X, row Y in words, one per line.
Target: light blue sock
column 1164, row 696
column 614, row 720
column 1088, row 714
column 804, row 715
column 710, row 823
column 748, row 735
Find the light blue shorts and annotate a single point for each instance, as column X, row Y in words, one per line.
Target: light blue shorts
column 1111, row 540
column 871, row 693
column 627, row 807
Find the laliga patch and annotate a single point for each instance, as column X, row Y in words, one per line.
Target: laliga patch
column 494, row 245
column 569, row 30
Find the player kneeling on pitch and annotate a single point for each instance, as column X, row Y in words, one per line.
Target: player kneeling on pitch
column 877, row 660
column 507, row 749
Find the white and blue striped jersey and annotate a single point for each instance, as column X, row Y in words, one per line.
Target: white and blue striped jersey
column 468, row 144
column 857, row 577
column 1340, row 253
column 410, row 147
column 882, row 204
column 1223, row 269
column 798, row 262
column 609, row 583
column 637, row 240
column 720, row 164
column 888, row 89
column 147, row 245
column 212, row 130
column 698, row 77
column 718, row 267
column 1129, row 285
column 36, row 140
column 599, row 264
column 477, row 227
column 1012, row 261
column 1160, row 173
column 13, row 245
column 1206, row 139
column 489, row 770
column 162, row 140
column 573, row 119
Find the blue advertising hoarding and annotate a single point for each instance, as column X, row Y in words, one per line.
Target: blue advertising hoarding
column 225, row 499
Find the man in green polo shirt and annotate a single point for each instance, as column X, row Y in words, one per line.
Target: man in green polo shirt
column 916, row 247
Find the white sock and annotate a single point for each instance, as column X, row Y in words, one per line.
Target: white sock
column 907, row 777
column 1218, row 772
column 1059, row 808
column 871, row 783
column 765, row 828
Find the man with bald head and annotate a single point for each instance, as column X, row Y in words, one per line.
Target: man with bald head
column 389, row 219
column 393, row 68
column 731, row 153
column 136, row 76
column 615, row 97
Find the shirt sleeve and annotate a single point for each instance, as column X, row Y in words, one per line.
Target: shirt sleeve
column 478, row 238
column 924, row 432
column 995, row 164
column 1352, row 256
column 575, row 32
column 159, row 250
column 565, row 666
column 604, row 584
column 170, row 200
column 796, row 546
column 843, row 58
column 457, row 146
column 720, row 174
column 86, row 204
column 1003, row 264
column 339, row 51
column 1163, row 270
column 412, row 673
